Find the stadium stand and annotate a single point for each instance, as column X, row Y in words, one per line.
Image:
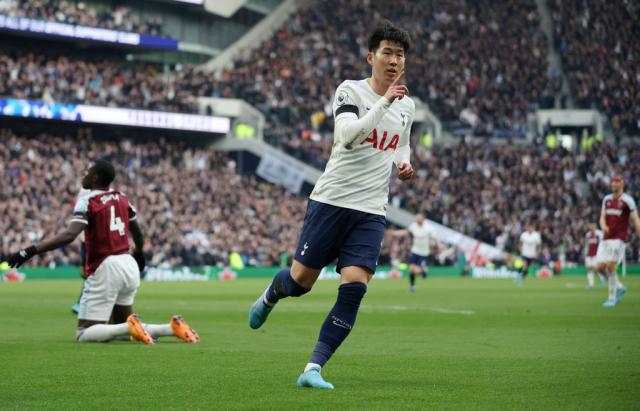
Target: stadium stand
column 459, row 70
column 95, row 80
column 599, row 45
column 72, row 12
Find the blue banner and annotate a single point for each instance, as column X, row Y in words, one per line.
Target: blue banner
column 116, row 116
column 55, row 29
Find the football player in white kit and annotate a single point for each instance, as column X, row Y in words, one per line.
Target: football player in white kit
column 591, row 241
column 420, row 248
column 345, row 218
column 530, row 245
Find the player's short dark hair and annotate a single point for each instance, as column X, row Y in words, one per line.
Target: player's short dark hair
column 105, row 171
column 385, row 30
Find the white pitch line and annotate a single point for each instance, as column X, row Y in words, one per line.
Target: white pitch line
column 451, row 311
column 398, row 307
column 440, row 310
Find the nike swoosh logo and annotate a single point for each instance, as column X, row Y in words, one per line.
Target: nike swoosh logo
column 341, row 325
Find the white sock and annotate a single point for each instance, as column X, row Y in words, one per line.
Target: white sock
column 102, row 332
column 312, row 365
column 158, row 330
column 613, row 286
column 590, row 278
column 618, row 283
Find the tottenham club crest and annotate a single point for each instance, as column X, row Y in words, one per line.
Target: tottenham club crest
column 342, row 98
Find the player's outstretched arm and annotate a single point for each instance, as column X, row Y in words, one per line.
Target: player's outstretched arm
column 60, row 240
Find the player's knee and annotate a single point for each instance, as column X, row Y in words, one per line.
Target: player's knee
column 355, row 274
column 352, row 293
column 304, row 276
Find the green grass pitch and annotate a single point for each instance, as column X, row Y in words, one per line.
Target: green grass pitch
column 455, row 344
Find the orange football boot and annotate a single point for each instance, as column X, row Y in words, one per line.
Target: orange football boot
column 182, row 330
column 137, row 331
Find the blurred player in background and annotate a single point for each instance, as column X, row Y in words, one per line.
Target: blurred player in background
column 592, row 239
column 617, row 209
column 420, row 248
column 530, row 245
column 345, row 217
column 107, row 217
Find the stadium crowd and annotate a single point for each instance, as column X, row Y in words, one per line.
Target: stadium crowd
column 599, row 45
column 73, row 79
column 120, row 17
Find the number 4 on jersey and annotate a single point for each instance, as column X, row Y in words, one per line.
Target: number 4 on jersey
column 116, row 222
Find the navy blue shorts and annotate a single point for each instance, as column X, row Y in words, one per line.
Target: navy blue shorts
column 419, row 260
column 329, row 232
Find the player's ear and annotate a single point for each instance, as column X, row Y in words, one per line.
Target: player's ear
column 370, row 58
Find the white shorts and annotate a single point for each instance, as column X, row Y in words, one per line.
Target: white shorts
column 590, row 261
column 115, row 282
column 610, row 251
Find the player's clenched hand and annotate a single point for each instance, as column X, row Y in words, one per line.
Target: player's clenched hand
column 396, row 90
column 139, row 257
column 405, row 171
column 15, row 260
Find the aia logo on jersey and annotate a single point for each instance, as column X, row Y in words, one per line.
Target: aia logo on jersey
column 380, row 144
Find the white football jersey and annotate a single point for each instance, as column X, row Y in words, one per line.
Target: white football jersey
column 529, row 243
column 421, row 239
column 358, row 171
